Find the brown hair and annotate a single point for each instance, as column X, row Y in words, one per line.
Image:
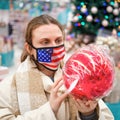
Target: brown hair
column 33, row 24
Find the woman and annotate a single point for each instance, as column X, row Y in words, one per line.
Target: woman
column 36, row 90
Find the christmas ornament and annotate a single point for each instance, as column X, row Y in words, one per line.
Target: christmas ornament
column 83, row 9
column 119, row 27
column 116, row 4
column 109, row 9
column 105, row 23
column 116, row 12
column 75, row 19
column 94, row 10
column 89, row 18
column 108, row 0
column 89, row 72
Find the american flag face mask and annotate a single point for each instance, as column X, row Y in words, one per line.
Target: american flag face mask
column 50, row 57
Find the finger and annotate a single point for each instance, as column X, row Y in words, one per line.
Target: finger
column 63, row 96
column 81, row 103
column 56, row 82
column 55, row 89
column 90, row 102
column 78, row 106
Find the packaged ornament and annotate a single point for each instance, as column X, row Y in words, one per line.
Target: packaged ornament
column 89, row 72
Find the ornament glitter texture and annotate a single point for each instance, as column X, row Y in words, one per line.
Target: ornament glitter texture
column 89, row 72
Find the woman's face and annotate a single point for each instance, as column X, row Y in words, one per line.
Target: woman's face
column 47, row 36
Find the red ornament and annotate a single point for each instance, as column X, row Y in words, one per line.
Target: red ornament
column 89, row 73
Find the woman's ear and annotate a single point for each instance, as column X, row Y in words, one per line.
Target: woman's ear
column 27, row 47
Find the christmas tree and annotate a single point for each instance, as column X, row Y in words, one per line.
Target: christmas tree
column 91, row 15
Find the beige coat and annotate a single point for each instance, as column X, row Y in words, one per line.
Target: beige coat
column 25, row 97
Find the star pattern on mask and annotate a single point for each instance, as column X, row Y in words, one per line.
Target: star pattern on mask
column 45, row 55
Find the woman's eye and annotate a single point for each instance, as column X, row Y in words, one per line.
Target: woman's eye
column 58, row 41
column 45, row 42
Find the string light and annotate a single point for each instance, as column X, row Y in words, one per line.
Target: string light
column 104, row 4
column 112, row 3
column 78, row 7
column 76, row 24
column 118, row 34
column 106, row 17
column 82, row 3
column 116, row 23
column 83, row 23
column 80, row 16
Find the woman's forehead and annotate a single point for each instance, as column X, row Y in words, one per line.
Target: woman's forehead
column 45, row 30
column 49, row 27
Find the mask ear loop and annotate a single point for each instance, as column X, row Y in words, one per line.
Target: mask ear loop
column 44, row 47
column 31, row 45
column 33, row 58
column 36, row 62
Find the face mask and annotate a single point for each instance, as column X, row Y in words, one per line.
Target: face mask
column 50, row 57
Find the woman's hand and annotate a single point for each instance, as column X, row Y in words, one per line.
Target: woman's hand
column 85, row 107
column 55, row 100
